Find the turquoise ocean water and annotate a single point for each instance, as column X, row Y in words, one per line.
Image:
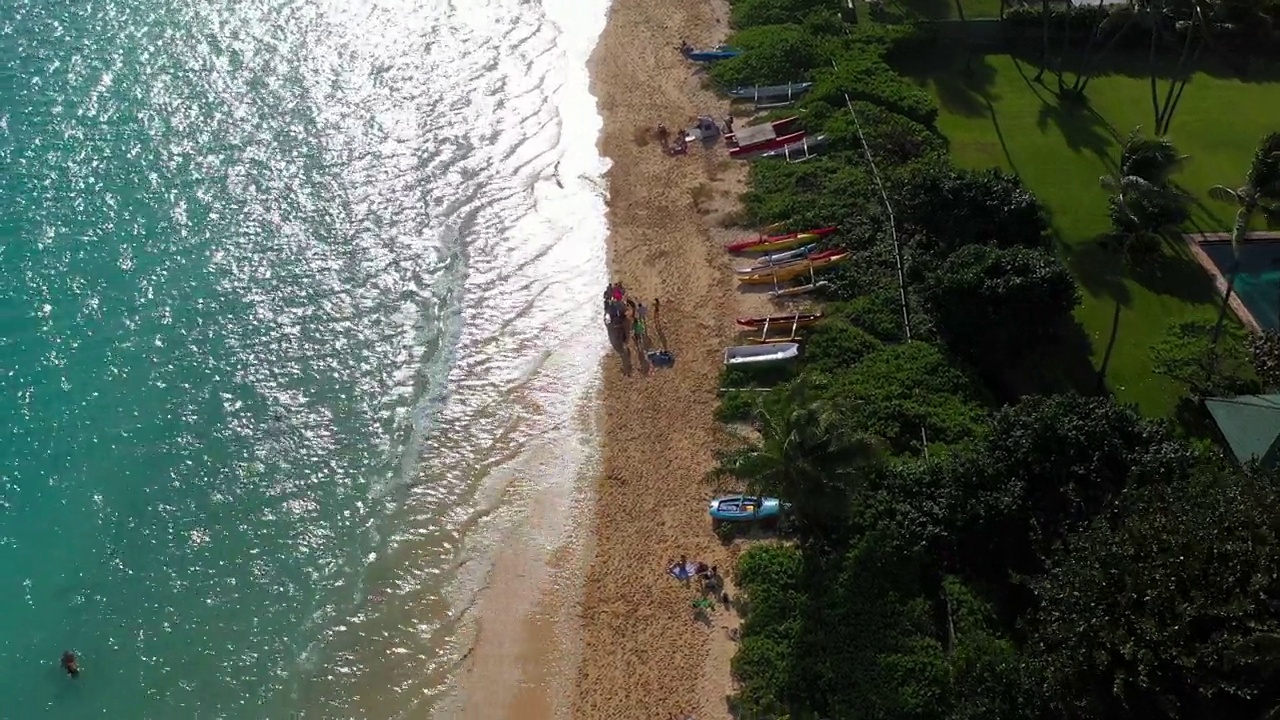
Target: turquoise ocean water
column 282, row 284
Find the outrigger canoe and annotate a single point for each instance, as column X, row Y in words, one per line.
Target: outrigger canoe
column 796, row 319
column 767, row 145
column 719, row 52
column 752, row 135
column 770, row 93
column 752, row 354
column 755, row 244
column 783, row 258
column 800, row 261
column 799, row 289
column 799, row 150
column 789, row 272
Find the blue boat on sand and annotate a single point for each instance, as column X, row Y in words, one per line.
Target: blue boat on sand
column 719, row 52
column 745, row 508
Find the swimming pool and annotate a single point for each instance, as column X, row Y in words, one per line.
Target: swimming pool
column 1258, row 279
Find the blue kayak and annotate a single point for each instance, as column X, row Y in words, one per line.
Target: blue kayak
column 722, row 52
column 744, row 508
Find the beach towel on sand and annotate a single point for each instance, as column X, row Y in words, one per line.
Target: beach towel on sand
column 686, row 572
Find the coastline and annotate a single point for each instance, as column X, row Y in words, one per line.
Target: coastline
column 643, row 653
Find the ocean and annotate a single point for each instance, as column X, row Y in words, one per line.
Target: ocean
column 298, row 324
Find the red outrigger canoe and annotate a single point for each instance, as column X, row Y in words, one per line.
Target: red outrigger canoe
column 796, row 319
column 772, row 143
column 750, row 243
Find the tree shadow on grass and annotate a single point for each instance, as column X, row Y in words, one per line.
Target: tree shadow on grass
column 1174, row 273
column 964, row 82
column 1064, row 366
column 1101, row 272
column 1081, row 127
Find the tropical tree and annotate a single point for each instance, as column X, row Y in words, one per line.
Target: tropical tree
column 1150, row 609
column 1112, row 28
column 1260, row 192
column 997, row 305
column 800, row 457
column 1144, row 202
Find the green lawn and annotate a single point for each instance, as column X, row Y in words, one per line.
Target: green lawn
column 997, row 115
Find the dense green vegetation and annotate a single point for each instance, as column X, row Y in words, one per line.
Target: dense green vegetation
column 981, row 529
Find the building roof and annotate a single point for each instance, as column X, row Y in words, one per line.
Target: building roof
column 1251, row 426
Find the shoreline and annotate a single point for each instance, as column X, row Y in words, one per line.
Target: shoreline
column 643, row 653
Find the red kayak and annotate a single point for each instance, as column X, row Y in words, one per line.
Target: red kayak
column 772, row 239
column 773, row 143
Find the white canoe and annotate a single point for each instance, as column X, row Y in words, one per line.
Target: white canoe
column 743, row 354
column 785, row 257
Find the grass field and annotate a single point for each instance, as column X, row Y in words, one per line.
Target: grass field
column 995, row 114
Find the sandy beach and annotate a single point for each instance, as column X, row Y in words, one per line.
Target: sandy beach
column 613, row 635
column 644, row 655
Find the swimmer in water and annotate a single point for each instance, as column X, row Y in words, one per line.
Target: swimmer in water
column 70, row 664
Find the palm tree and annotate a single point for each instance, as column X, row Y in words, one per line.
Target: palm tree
column 1260, row 192
column 802, row 457
column 1144, row 201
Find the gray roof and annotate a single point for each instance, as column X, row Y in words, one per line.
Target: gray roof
column 1250, row 424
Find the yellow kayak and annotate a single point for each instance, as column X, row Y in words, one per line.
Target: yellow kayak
column 790, row 272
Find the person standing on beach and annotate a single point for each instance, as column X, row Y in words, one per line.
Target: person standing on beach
column 656, row 306
column 642, row 312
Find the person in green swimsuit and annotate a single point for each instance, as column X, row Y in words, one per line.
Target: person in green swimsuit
column 637, row 330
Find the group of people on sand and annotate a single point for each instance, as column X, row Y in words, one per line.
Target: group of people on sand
column 620, row 311
column 705, row 125
column 710, row 579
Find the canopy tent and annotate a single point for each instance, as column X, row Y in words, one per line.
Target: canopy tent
column 1251, row 426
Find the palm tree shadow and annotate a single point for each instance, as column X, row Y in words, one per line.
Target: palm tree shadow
column 1081, row 127
column 1101, row 272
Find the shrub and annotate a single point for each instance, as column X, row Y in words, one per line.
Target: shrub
column 894, row 139
column 952, row 208
column 750, row 13
column 771, row 54
column 898, row 390
column 837, row 345
column 861, row 73
column 996, row 305
column 1186, row 354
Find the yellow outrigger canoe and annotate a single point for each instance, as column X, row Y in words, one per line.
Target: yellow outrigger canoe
column 790, row 272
